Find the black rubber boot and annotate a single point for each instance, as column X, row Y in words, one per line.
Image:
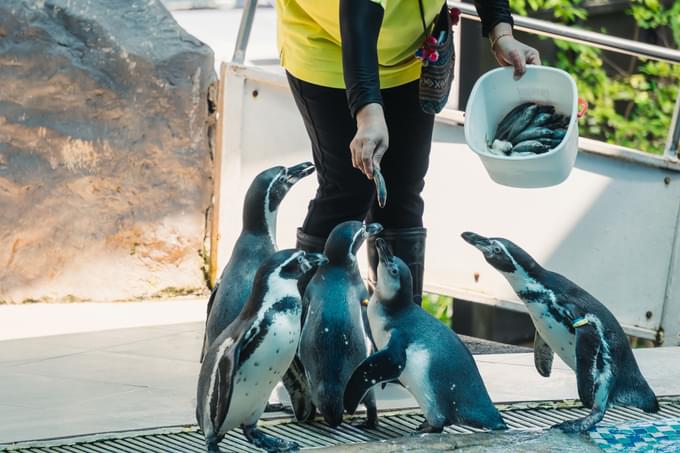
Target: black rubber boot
column 409, row 245
column 311, row 244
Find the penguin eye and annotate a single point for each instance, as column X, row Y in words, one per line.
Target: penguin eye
column 300, row 259
column 497, row 250
column 394, row 271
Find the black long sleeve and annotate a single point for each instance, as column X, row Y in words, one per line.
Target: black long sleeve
column 360, row 22
column 493, row 12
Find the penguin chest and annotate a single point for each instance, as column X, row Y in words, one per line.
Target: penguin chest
column 554, row 332
column 377, row 321
column 261, row 371
column 415, row 377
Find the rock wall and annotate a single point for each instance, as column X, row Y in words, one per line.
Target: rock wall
column 105, row 151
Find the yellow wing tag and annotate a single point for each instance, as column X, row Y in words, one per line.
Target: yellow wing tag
column 579, row 322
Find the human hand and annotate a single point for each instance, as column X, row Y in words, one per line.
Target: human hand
column 371, row 140
column 510, row 52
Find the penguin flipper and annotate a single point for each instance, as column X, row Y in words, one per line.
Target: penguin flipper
column 223, row 384
column 383, row 366
column 297, row 385
column 204, row 349
column 588, row 348
column 593, row 378
column 225, row 387
column 543, row 356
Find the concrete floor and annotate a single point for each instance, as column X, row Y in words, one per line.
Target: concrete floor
column 144, row 377
column 84, row 368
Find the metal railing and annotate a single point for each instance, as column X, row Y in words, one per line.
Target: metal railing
column 244, row 29
column 537, row 27
column 580, row 36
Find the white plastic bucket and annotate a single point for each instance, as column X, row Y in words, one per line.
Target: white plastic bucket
column 494, row 95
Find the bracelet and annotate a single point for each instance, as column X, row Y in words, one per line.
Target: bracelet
column 495, row 40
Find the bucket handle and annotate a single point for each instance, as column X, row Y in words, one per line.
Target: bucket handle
column 583, row 107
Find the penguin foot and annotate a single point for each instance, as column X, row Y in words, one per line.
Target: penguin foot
column 365, row 424
column 371, row 421
column 212, row 445
column 426, row 428
column 573, row 426
column 268, row 443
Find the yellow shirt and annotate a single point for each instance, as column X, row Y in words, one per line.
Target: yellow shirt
column 308, row 37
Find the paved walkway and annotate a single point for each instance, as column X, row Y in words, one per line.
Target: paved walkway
column 84, row 368
column 145, row 377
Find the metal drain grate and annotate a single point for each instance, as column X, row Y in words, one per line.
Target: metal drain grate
column 518, row 416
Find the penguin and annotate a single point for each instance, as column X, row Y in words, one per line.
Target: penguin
column 427, row 357
column 334, row 341
column 256, row 243
column 576, row 326
column 244, row 363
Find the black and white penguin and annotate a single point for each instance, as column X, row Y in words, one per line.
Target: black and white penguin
column 244, row 363
column 334, row 341
column 255, row 244
column 575, row 325
column 426, row 357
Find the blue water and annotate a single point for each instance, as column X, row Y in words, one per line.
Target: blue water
column 642, row 436
column 657, row 436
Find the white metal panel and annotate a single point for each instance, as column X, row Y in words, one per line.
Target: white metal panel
column 671, row 315
column 610, row 227
column 230, row 165
column 261, row 131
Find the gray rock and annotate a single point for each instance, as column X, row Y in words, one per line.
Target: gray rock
column 105, row 151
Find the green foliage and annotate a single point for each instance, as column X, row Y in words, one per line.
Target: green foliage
column 629, row 106
column 564, row 10
column 441, row 307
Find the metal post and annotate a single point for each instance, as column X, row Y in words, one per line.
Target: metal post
column 672, row 151
column 244, row 29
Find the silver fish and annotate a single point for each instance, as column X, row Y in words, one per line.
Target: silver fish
column 380, row 187
column 532, row 146
column 509, row 119
column 532, row 133
column 522, row 121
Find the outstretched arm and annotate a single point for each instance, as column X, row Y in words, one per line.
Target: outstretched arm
column 360, row 22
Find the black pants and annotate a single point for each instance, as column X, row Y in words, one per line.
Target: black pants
column 344, row 192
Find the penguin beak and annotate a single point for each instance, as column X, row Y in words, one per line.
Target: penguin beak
column 312, row 261
column 384, row 253
column 299, row 171
column 478, row 241
column 372, row 229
